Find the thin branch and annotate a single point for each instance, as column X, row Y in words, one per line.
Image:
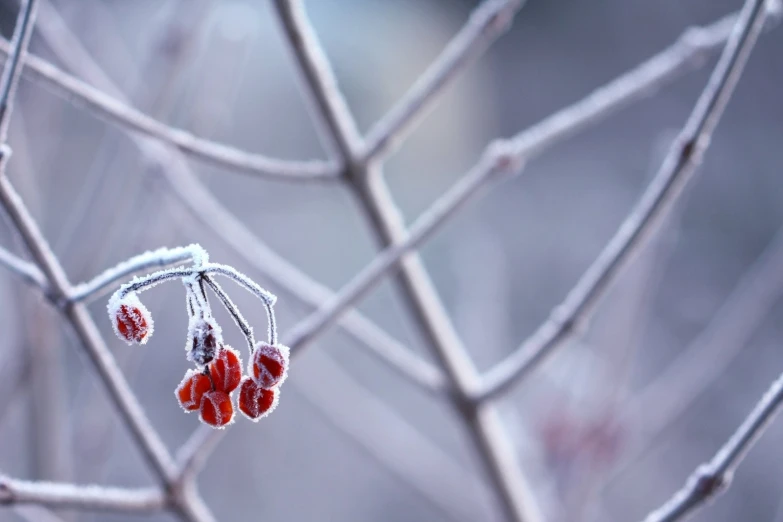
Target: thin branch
column 24, row 269
column 713, row 477
column 124, row 116
column 513, row 491
column 444, row 207
column 233, row 311
column 119, row 390
column 677, row 169
column 706, row 357
column 486, row 23
column 90, row 497
column 9, row 80
column 159, row 258
column 339, row 129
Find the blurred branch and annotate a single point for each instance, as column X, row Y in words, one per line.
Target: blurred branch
column 491, row 166
column 668, row 397
column 115, row 111
column 55, row 494
column 338, row 128
column 487, row 22
column 713, row 477
column 677, row 169
column 77, row 315
column 514, row 493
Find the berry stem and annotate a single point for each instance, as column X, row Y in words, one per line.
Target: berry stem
column 241, row 322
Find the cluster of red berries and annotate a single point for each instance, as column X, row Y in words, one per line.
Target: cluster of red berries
column 208, row 388
column 209, row 391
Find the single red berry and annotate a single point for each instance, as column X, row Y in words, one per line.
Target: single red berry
column 192, row 389
column 226, row 369
column 256, row 402
column 216, row 409
column 269, row 364
column 131, row 320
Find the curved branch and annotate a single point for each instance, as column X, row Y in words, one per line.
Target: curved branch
column 114, row 111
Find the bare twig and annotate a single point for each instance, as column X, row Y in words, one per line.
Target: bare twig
column 486, row 23
column 91, row 497
column 307, row 329
column 699, row 364
column 713, row 477
column 126, row 402
column 511, row 486
column 338, row 128
column 9, row 80
column 116, row 112
column 677, row 169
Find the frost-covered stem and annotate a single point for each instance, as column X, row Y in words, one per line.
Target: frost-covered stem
column 232, row 309
column 486, row 23
column 713, row 477
column 88, row 497
column 241, row 279
column 153, row 259
column 141, row 284
column 677, row 169
column 24, row 269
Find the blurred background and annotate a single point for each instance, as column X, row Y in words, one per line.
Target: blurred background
column 607, row 429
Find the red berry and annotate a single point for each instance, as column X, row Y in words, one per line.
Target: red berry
column 132, row 321
column 270, row 364
column 226, row 369
column 256, row 402
column 192, row 389
column 216, row 409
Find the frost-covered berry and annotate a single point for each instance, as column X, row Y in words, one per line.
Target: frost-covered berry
column 269, row 365
column 192, row 389
column 256, row 402
column 204, row 336
column 131, row 320
column 216, row 409
column 226, row 369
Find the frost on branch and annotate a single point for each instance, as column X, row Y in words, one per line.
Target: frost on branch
column 218, row 371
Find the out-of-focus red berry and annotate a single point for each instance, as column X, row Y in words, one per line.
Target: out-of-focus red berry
column 256, row 402
column 216, row 409
column 269, row 364
column 132, row 324
column 192, row 389
column 226, row 369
